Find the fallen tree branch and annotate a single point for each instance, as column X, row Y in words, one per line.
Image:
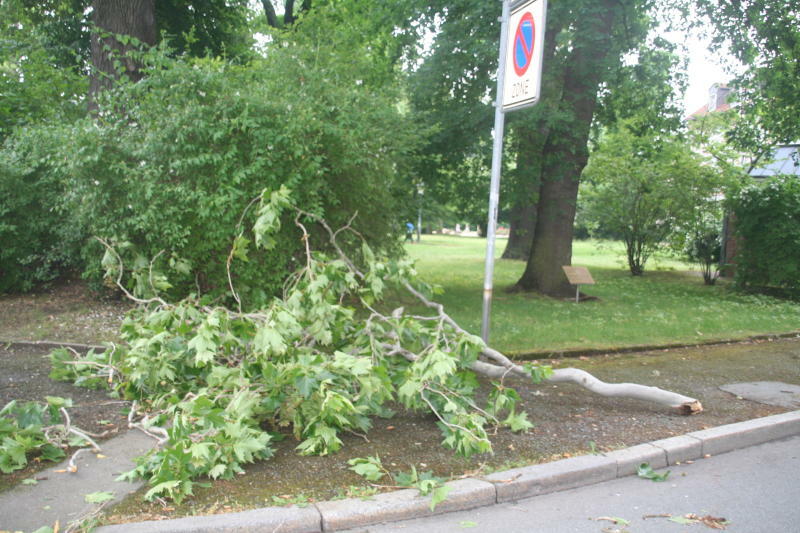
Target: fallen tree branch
column 501, row 365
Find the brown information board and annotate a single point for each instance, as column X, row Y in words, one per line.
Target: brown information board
column 578, row 275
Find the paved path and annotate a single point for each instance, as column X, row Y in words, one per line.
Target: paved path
column 756, row 488
column 60, row 496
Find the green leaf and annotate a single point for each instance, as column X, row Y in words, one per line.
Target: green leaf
column 369, row 468
column 58, row 402
column 682, row 520
column 166, row 486
column 467, row 524
column 518, row 422
column 217, row 471
column 439, row 495
column 616, row 520
column 645, row 471
column 240, row 244
column 99, row 497
column 30, row 481
column 205, row 348
column 268, row 341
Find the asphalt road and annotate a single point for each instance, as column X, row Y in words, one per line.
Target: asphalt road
column 756, row 489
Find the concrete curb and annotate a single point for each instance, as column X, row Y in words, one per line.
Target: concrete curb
column 533, row 355
column 522, row 355
column 54, row 345
column 499, row 487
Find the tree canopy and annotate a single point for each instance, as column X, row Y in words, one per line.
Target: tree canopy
column 764, row 35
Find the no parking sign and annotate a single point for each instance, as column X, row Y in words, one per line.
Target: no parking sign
column 523, row 61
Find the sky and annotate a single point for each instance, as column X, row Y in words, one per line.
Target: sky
column 704, row 70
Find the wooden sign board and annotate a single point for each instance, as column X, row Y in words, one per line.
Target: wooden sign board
column 578, row 275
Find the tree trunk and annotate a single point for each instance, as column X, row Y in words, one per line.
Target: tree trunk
column 269, row 12
column 523, row 224
column 566, row 154
column 135, row 18
column 523, row 210
column 288, row 12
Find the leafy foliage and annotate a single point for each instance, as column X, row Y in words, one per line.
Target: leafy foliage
column 705, row 247
column 768, row 224
column 764, row 36
column 646, row 189
column 371, row 469
column 35, row 85
column 170, row 154
column 33, row 429
column 39, row 241
column 215, row 385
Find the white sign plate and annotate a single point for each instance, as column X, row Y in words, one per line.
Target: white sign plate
column 523, row 68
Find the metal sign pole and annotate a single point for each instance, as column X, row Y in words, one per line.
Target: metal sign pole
column 497, row 160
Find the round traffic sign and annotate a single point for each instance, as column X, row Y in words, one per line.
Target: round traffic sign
column 523, row 44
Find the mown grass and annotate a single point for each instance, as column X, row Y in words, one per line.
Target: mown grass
column 667, row 305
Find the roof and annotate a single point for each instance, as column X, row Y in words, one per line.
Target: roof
column 785, row 160
column 704, row 110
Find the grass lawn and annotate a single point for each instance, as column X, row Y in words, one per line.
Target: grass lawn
column 667, row 305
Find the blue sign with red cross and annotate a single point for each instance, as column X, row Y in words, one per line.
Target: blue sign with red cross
column 524, row 44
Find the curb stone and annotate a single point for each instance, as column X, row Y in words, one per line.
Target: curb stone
column 629, row 459
column 284, row 519
column 520, row 355
column 681, row 449
column 468, row 493
column 54, row 345
column 544, row 478
column 403, row 504
column 525, row 355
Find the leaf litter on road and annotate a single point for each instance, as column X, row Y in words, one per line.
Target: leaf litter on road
column 713, row 522
column 646, row 471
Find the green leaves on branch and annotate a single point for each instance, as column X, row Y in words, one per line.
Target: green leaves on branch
column 216, row 386
column 768, row 221
column 33, row 429
column 371, row 469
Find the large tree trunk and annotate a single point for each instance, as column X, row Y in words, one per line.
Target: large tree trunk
column 523, row 210
column 523, row 224
column 135, row 18
column 566, row 154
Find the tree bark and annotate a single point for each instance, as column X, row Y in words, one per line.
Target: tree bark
column 523, row 224
column 566, row 154
column 288, row 13
column 134, row 18
column 523, row 210
column 269, row 12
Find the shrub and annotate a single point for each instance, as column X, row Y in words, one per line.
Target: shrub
column 169, row 160
column 768, row 224
column 39, row 242
column 705, row 247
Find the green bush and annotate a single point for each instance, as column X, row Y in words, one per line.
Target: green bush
column 39, row 241
column 170, row 161
column 768, row 224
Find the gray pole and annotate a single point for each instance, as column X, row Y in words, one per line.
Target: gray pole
column 497, row 160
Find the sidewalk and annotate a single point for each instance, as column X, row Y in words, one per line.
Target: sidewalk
column 61, row 496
